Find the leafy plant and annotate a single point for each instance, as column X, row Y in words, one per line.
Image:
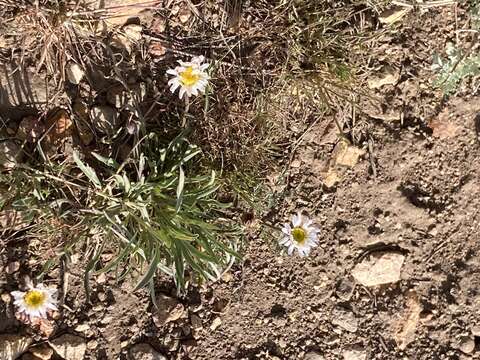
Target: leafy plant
column 457, row 66
column 147, row 211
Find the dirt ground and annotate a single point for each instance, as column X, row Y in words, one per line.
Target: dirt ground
column 414, row 195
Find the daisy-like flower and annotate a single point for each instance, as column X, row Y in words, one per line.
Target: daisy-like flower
column 36, row 302
column 191, row 77
column 300, row 235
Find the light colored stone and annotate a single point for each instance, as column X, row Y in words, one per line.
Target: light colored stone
column 127, row 37
column 475, row 330
column 105, row 119
column 169, row 310
column 346, row 154
column 69, row 347
column 345, row 319
column 82, row 327
column 313, row 355
column 380, row 268
column 354, row 353
column 215, row 324
column 393, row 15
column 387, row 76
column 467, row 344
column 75, row 73
column 12, row 267
column 144, row 352
column 42, row 351
column 407, row 326
column 121, row 11
column 12, row 346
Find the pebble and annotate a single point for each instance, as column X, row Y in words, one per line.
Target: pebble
column 69, row 347
column 144, row 352
column 215, row 324
column 75, row 73
column 380, row 268
column 313, row 355
column 355, row 353
column 169, row 310
column 13, row 267
column 467, row 345
column 43, row 351
column 345, row 319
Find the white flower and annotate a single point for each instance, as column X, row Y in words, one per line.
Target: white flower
column 301, row 235
column 191, row 77
column 36, row 302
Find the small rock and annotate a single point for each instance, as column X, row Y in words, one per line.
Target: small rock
column 105, row 119
column 407, row 326
column 6, row 298
column 75, row 73
column 346, row 154
column 331, row 178
column 227, row 277
column 10, row 154
column 144, row 352
column 184, row 14
column 345, row 319
column 467, row 344
column 215, row 324
column 69, row 347
column 42, row 351
column 123, row 11
column 313, row 355
column 387, row 76
column 129, row 35
column 13, row 267
column 82, row 327
column 476, row 330
column 92, row 344
column 380, row 268
column 355, row 353
column 169, row 310
column 12, row 346
column 393, row 15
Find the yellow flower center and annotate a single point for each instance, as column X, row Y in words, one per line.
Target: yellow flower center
column 34, row 298
column 188, row 78
column 299, row 235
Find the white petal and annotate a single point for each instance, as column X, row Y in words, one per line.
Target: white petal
column 172, row 72
column 287, row 229
column 18, row 295
column 198, row 59
column 174, row 86
column 290, row 249
column 284, row 241
column 204, row 67
column 297, row 220
column 182, row 92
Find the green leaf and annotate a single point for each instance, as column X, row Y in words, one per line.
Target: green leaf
column 87, row 170
column 107, row 161
column 148, row 275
